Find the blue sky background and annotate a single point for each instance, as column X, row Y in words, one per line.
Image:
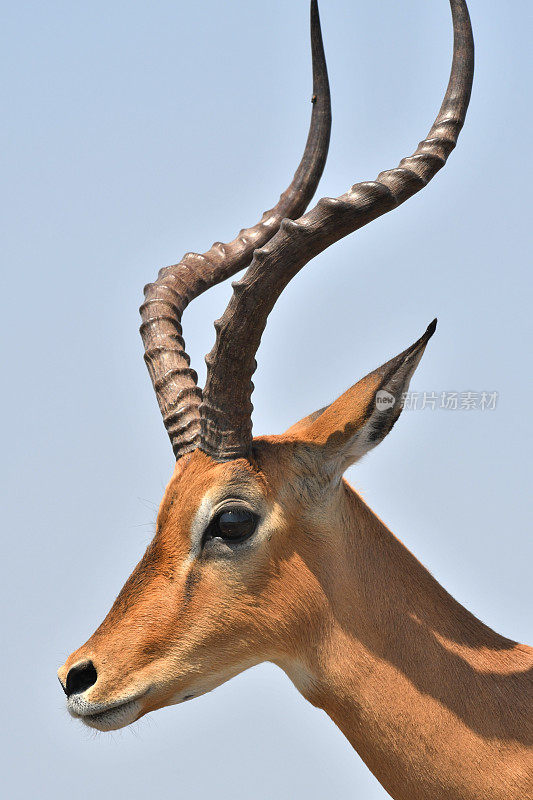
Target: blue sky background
column 135, row 131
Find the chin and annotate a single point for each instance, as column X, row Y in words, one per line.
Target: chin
column 109, row 719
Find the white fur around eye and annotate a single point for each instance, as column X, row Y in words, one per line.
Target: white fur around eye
column 200, row 522
column 213, row 502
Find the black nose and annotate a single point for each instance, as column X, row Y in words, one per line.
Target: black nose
column 80, row 678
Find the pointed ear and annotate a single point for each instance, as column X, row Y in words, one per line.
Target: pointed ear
column 361, row 418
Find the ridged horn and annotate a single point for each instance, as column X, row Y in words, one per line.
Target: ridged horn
column 226, row 408
column 174, row 381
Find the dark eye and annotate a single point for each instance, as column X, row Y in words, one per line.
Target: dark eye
column 233, row 524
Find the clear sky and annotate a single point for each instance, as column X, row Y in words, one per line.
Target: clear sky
column 134, row 131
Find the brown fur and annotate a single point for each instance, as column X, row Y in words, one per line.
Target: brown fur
column 436, row 703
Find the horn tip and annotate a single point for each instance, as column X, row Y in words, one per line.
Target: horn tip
column 431, row 328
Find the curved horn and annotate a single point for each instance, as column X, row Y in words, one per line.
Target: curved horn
column 226, row 408
column 175, row 383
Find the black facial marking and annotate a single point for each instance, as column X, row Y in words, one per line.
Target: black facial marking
column 191, row 582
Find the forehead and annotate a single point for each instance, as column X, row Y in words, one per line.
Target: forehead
column 198, row 480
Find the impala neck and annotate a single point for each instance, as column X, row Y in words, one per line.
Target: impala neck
column 431, row 698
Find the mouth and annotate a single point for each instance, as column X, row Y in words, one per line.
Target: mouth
column 109, row 717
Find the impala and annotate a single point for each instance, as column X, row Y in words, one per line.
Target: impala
column 263, row 552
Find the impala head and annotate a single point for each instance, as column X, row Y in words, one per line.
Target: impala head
column 243, row 555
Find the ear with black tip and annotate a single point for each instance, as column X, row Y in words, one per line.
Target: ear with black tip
column 361, row 417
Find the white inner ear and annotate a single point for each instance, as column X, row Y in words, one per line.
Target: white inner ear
column 359, row 445
column 387, row 406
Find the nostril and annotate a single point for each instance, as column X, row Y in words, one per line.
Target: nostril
column 80, row 678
